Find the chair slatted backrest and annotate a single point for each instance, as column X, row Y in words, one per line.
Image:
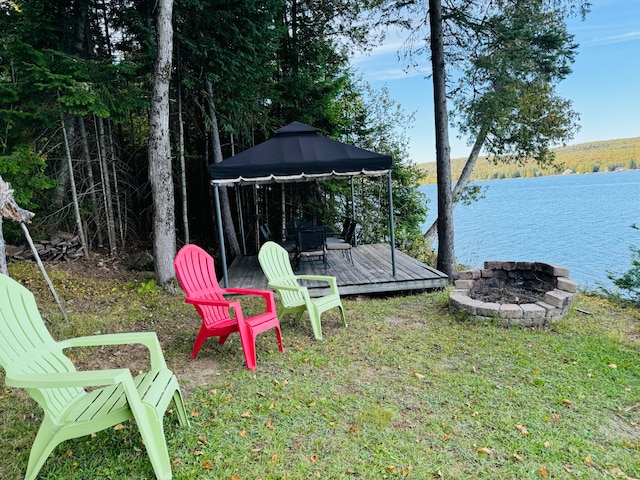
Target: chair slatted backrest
column 27, row 347
column 276, row 265
column 345, row 227
column 350, row 233
column 311, row 240
column 197, row 274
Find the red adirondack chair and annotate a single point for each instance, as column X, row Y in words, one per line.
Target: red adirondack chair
column 196, row 274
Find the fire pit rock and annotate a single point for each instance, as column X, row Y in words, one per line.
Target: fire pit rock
column 518, row 293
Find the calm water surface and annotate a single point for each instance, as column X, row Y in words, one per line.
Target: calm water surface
column 582, row 222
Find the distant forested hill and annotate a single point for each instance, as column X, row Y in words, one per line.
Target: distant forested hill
column 603, row 156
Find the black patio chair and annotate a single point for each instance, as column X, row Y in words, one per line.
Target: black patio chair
column 288, row 245
column 311, row 243
column 300, row 223
column 343, row 244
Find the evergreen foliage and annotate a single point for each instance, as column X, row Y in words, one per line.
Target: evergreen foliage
column 90, row 66
column 628, row 282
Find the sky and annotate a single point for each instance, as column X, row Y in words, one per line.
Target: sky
column 604, row 86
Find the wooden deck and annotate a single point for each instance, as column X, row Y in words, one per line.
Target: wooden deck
column 370, row 273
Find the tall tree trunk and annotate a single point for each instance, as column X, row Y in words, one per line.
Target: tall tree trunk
column 164, row 235
column 74, row 192
column 106, row 188
column 183, row 168
column 227, row 217
column 91, row 184
column 462, row 182
column 121, row 213
column 446, row 255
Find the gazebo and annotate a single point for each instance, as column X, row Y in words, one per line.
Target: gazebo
column 298, row 153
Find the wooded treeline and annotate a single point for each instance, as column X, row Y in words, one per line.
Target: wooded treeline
column 76, row 81
column 75, row 86
column 591, row 157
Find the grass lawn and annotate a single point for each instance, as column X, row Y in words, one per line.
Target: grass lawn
column 408, row 390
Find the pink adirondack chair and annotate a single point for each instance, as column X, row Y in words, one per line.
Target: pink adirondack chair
column 197, row 276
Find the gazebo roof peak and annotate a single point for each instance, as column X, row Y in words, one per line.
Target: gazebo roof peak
column 296, row 127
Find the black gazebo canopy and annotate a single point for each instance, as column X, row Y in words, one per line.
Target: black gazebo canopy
column 298, row 153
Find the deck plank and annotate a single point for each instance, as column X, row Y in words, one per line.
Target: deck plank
column 370, row 273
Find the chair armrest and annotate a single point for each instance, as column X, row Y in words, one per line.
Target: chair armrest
column 281, row 286
column 93, row 378
column 212, row 303
column 333, row 284
column 148, row 339
column 235, row 305
column 266, row 294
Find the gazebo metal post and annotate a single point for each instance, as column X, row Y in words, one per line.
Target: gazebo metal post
column 239, row 202
column 283, row 227
column 254, row 189
column 223, row 254
column 391, row 224
column 353, row 207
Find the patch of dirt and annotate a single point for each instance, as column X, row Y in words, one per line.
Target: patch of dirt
column 509, row 294
column 98, row 267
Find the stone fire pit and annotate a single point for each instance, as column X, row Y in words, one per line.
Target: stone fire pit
column 518, row 293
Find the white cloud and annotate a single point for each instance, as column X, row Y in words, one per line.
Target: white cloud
column 612, row 39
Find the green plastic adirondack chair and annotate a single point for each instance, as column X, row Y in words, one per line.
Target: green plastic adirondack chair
column 33, row 360
column 294, row 298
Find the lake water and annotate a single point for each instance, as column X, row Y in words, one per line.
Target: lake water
column 582, row 222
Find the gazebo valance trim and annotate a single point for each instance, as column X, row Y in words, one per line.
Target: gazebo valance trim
column 301, row 177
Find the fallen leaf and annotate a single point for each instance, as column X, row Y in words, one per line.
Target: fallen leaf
column 274, row 457
column 613, row 365
column 207, row 465
column 270, row 426
column 391, row 468
column 242, row 433
column 567, row 469
column 567, row 402
column 176, row 461
column 195, row 413
column 543, row 472
column 245, row 415
column 197, row 453
column 617, row 472
column 523, row 429
column 485, row 450
column 518, row 457
column 118, row 427
column 314, row 458
column 546, row 444
column 418, row 375
column 69, row 453
column 202, row 440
